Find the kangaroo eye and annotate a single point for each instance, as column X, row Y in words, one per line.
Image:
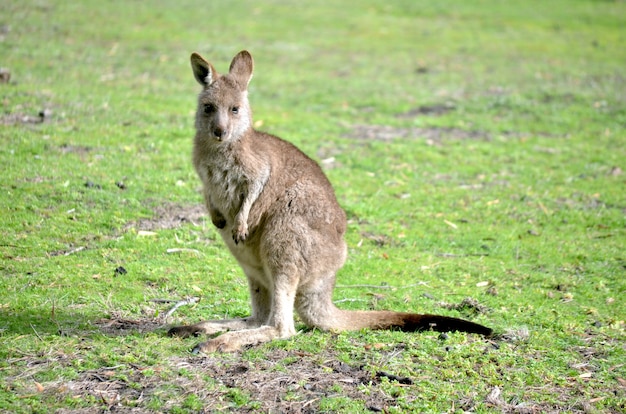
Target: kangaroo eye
column 234, row 109
column 209, row 109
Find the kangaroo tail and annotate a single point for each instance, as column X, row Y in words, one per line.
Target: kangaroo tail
column 319, row 311
column 411, row 322
column 407, row 322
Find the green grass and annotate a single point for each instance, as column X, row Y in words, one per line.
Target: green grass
column 514, row 196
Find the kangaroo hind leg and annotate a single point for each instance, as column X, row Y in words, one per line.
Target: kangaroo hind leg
column 280, row 323
column 260, row 300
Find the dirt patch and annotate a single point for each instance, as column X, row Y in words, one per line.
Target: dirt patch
column 291, row 382
column 283, row 382
column 119, row 325
column 171, row 216
column 379, row 240
column 468, row 306
column 432, row 135
column 75, row 149
column 5, row 75
column 427, row 110
column 13, row 119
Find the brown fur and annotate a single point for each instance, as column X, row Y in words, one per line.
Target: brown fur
column 278, row 214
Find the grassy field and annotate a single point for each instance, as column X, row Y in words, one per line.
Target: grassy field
column 479, row 151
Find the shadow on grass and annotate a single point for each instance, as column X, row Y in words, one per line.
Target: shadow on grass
column 69, row 323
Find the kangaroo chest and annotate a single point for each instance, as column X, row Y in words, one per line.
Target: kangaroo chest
column 225, row 186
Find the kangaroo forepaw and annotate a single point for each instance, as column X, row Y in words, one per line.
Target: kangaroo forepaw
column 240, row 234
column 184, row 331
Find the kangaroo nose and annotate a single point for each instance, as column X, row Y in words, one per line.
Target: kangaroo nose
column 218, row 132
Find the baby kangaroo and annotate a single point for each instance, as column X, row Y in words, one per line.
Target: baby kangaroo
column 278, row 214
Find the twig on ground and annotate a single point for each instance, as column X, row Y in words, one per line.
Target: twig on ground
column 350, row 300
column 306, row 404
column 189, row 301
column 36, row 333
column 76, row 250
column 163, row 300
column 181, row 250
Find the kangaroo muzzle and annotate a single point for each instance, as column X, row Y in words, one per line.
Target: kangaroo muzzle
column 219, row 133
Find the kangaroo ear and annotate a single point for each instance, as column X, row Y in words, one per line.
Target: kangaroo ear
column 241, row 68
column 203, row 71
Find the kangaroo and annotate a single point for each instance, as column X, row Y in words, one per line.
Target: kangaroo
column 278, row 215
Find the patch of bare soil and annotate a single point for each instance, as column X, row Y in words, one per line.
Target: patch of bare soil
column 272, row 385
column 283, row 382
column 289, row 382
column 427, row 110
column 467, row 306
column 13, row 119
column 5, row 74
column 119, row 325
column 75, row 149
column 432, row 135
column 171, row 216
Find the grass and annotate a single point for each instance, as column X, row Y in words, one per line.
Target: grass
column 477, row 147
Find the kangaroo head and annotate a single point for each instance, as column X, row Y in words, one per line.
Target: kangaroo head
column 223, row 110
